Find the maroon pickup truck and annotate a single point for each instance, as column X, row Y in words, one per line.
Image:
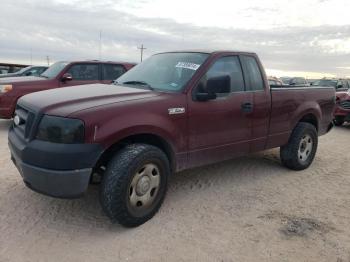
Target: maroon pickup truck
column 174, row 111
column 60, row 74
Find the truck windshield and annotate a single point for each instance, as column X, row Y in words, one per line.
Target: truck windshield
column 164, row 72
column 54, row 70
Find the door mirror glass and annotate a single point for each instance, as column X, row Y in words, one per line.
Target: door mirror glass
column 214, row 86
column 66, row 77
column 219, row 84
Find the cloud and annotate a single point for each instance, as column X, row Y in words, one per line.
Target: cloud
column 67, row 29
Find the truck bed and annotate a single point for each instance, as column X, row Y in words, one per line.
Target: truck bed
column 288, row 103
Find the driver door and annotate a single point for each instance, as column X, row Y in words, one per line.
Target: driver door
column 220, row 129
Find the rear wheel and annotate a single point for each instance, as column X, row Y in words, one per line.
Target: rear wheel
column 338, row 120
column 301, row 149
column 134, row 184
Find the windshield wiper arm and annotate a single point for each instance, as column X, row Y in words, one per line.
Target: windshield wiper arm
column 142, row 83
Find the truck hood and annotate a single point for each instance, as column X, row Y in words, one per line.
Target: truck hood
column 21, row 79
column 66, row 101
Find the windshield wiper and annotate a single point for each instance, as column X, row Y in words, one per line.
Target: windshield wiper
column 141, row 83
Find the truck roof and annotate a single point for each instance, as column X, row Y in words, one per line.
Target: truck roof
column 98, row 61
column 209, row 51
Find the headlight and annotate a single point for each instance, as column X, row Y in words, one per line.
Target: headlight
column 5, row 88
column 61, row 130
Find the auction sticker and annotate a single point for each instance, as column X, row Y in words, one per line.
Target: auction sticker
column 188, row 65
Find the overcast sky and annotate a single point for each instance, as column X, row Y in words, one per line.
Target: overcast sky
column 299, row 37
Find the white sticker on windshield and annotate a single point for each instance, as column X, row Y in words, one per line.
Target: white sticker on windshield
column 188, row 65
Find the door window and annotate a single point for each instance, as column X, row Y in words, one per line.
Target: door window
column 83, row 72
column 252, row 74
column 225, row 66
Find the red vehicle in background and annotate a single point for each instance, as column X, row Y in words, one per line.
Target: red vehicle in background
column 342, row 110
column 342, row 88
column 60, row 74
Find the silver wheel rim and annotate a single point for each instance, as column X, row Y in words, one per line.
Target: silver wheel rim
column 305, row 148
column 144, row 187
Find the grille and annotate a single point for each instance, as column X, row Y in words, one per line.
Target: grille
column 26, row 122
column 345, row 104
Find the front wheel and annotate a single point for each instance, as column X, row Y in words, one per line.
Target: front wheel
column 134, row 184
column 301, row 149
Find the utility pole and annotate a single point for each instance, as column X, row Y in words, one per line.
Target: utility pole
column 141, row 48
column 48, row 60
column 100, row 46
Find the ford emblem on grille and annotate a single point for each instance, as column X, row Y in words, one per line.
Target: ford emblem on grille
column 17, row 120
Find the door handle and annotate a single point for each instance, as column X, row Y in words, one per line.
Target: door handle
column 247, row 107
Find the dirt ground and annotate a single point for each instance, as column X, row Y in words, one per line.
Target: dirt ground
column 248, row 209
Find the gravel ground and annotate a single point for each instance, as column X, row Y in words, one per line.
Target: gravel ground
column 247, row 209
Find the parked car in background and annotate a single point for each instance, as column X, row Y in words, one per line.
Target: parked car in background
column 27, row 71
column 174, row 111
column 325, row 82
column 285, row 79
column 342, row 110
column 343, row 85
column 60, row 74
column 298, row 81
column 338, row 84
column 274, row 81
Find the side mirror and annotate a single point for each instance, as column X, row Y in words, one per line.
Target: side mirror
column 215, row 85
column 339, row 86
column 66, row 77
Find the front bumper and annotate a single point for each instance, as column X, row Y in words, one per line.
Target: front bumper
column 54, row 169
column 55, row 183
column 339, row 111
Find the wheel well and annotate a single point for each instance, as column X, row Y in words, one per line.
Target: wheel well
column 149, row 139
column 311, row 119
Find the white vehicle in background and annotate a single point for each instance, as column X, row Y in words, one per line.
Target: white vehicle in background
column 298, row 81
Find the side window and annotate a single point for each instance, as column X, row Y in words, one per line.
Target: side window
column 226, row 66
column 112, row 72
column 252, row 74
column 84, row 72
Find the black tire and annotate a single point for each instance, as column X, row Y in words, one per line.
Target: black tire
column 338, row 121
column 117, row 184
column 290, row 154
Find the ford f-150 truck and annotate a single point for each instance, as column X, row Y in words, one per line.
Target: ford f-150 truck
column 174, row 111
column 60, row 74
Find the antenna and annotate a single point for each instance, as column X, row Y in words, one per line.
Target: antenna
column 100, row 46
column 48, row 60
column 141, row 49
